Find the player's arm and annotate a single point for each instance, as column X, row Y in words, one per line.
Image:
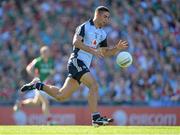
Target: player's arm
column 106, row 51
column 78, row 42
column 31, row 68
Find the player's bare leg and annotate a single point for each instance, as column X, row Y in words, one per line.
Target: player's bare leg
column 59, row 94
column 63, row 93
column 71, row 85
column 91, row 83
column 66, row 91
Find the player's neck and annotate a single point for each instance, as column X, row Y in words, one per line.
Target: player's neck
column 97, row 25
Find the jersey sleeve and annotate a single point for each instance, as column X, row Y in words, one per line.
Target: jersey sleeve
column 103, row 43
column 36, row 63
column 80, row 30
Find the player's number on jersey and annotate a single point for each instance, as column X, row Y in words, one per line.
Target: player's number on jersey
column 76, row 65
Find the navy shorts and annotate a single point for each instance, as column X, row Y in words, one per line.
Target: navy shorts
column 76, row 69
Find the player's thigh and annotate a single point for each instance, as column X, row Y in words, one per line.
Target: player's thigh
column 88, row 80
column 70, row 85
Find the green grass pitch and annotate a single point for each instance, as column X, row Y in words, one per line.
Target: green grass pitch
column 89, row 130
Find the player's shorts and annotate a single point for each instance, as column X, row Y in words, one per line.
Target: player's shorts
column 76, row 69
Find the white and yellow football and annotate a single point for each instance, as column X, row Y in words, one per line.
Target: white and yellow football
column 124, row 59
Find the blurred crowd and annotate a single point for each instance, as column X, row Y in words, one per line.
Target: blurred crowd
column 151, row 27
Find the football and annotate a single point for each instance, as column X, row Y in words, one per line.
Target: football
column 124, row 59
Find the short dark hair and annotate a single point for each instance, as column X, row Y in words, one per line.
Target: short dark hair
column 102, row 9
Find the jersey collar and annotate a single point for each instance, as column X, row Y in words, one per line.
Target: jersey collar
column 92, row 23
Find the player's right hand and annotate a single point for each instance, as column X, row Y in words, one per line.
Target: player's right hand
column 122, row 44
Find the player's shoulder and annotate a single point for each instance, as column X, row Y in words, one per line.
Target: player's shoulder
column 82, row 27
column 38, row 59
column 83, row 24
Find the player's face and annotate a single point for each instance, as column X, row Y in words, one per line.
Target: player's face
column 104, row 18
column 45, row 53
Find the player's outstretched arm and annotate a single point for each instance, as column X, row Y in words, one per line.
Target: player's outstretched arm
column 106, row 52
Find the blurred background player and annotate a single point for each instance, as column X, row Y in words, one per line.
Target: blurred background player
column 89, row 40
column 43, row 68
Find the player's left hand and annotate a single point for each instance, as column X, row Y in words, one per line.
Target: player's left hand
column 122, row 44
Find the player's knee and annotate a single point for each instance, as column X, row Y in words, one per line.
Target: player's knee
column 60, row 97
